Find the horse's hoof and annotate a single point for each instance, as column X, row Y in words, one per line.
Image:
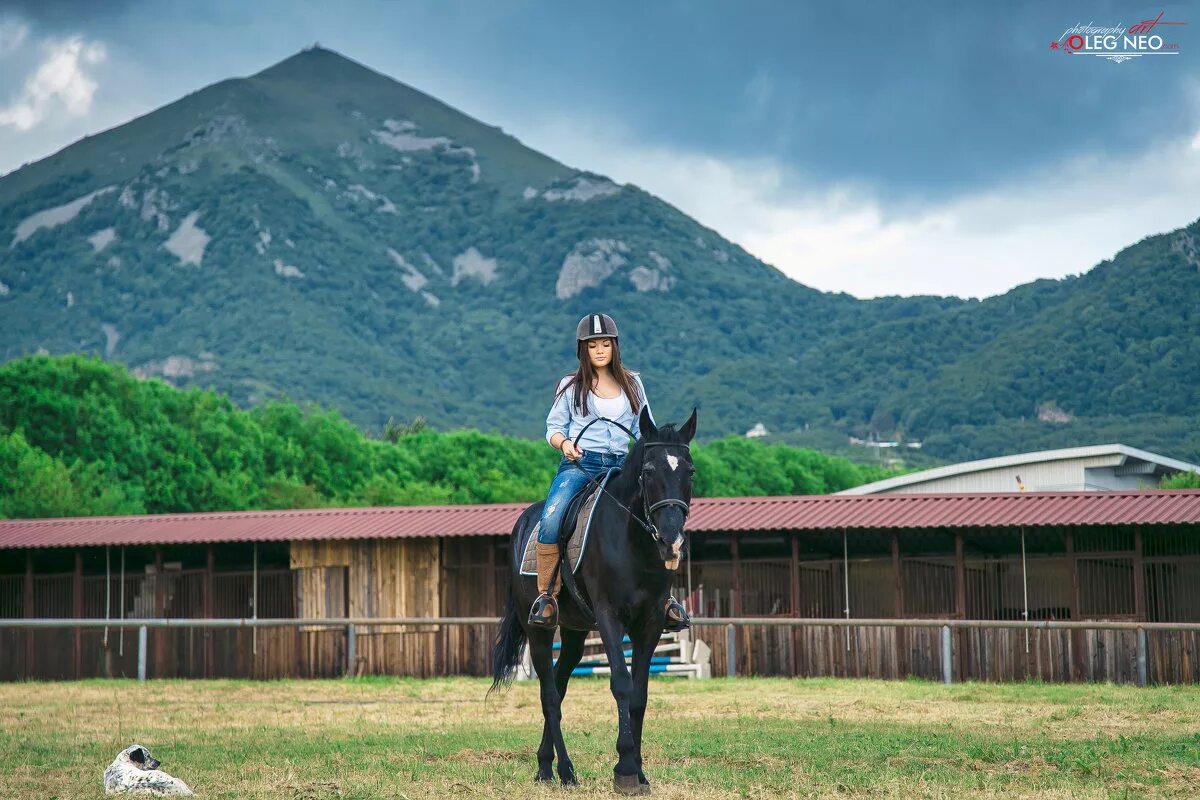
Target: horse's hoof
column 629, row 784
column 544, row 777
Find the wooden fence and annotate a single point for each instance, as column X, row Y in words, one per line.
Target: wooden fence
column 1119, row 652
column 979, row 650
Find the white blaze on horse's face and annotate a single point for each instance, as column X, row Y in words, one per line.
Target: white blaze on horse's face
column 674, row 462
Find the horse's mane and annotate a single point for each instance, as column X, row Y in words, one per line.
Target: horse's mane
column 667, row 433
column 633, row 462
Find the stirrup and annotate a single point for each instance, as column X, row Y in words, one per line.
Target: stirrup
column 677, row 617
column 538, row 613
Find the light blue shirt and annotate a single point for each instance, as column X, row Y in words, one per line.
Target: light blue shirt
column 564, row 418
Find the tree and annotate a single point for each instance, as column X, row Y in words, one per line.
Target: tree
column 1180, row 480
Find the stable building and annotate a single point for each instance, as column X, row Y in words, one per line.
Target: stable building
column 1097, row 468
column 1119, row 555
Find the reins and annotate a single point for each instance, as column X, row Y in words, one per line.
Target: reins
column 647, row 524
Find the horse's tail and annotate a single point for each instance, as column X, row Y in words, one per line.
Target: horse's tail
column 507, row 652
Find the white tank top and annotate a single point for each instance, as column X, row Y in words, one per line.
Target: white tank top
column 609, row 407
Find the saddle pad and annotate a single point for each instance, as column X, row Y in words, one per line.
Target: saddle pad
column 578, row 540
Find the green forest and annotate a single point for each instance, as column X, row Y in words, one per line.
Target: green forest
column 81, row 436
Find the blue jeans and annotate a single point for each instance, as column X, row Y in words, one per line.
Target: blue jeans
column 567, row 481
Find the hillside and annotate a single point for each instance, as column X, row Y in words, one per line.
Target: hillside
column 81, row 437
column 319, row 231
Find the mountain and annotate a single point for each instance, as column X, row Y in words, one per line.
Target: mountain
column 323, row 232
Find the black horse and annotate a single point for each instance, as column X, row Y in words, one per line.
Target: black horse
column 634, row 546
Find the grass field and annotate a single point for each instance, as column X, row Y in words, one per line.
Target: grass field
column 399, row 738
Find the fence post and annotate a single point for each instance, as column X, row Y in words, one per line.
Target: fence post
column 947, row 663
column 141, row 652
column 1141, row 656
column 730, row 651
column 351, row 650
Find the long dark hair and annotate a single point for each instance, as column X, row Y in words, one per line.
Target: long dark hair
column 585, row 376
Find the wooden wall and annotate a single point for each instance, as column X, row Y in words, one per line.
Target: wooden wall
column 382, row 578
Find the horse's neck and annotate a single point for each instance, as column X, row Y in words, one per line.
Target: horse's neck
column 623, row 485
column 624, row 489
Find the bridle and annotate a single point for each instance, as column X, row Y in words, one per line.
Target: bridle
column 647, row 507
column 669, row 501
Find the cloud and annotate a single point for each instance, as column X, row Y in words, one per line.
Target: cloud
column 985, row 242
column 844, row 237
column 60, row 83
column 12, row 36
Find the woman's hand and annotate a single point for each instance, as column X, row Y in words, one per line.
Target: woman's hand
column 570, row 450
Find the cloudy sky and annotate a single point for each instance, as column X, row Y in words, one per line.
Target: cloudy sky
column 870, row 148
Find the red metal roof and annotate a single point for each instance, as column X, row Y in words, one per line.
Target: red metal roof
column 958, row 510
column 386, row 522
column 801, row 512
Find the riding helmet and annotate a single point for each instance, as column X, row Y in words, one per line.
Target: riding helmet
column 595, row 326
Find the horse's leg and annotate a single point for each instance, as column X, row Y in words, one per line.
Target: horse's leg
column 568, row 657
column 625, row 778
column 644, row 642
column 541, row 653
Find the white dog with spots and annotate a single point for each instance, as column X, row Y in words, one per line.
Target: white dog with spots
column 135, row 771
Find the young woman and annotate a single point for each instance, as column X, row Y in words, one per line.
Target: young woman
column 601, row 387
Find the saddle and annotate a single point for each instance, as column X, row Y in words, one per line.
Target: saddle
column 576, row 523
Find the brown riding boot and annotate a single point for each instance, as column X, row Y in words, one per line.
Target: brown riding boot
column 545, row 607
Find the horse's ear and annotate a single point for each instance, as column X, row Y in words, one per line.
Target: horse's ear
column 689, row 428
column 645, row 424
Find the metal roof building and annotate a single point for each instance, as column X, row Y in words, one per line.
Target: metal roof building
column 1097, row 468
column 1118, row 555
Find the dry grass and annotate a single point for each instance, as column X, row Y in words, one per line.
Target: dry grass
column 749, row 738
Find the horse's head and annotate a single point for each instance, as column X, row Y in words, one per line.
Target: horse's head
column 665, row 483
